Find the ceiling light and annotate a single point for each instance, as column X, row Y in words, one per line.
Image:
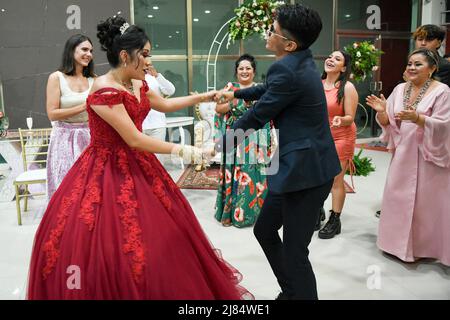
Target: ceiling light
column 155, row 8
column 150, row 16
column 119, row 12
column 170, row 37
column 195, row 19
column 347, row 15
column 207, row 11
column 177, row 32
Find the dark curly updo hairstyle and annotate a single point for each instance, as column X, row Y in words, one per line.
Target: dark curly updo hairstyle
column 113, row 41
column 68, row 61
column 245, row 57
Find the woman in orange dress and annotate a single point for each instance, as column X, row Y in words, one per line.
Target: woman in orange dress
column 342, row 101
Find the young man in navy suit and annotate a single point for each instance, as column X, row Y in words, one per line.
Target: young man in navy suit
column 293, row 97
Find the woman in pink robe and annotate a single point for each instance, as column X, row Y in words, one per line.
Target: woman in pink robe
column 415, row 212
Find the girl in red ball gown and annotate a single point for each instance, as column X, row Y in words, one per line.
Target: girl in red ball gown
column 118, row 227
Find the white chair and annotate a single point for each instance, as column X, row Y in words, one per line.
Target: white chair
column 179, row 122
column 205, row 112
column 34, row 143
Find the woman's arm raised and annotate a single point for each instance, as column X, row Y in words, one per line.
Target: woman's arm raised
column 118, row 118
column 174, row 104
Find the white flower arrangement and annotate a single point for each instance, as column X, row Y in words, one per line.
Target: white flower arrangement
column 254, row 16
column 365, row 58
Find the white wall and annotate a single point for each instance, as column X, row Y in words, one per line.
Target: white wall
column 431, row 11
column 431, row 14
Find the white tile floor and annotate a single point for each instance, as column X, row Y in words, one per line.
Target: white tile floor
column 345, row 266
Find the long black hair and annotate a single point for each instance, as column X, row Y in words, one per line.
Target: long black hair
column 113, row 41
column 343, row 77
column 68, row 61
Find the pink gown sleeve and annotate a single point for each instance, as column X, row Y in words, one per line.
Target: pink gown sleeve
column 436, row 134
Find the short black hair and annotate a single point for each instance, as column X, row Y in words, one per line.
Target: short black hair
column 113, row 41
column 245, row 57
column 68, row 62
column 429, row 32
column 303, row 23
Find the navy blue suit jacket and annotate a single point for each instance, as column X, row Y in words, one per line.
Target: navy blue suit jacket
column 294, row 98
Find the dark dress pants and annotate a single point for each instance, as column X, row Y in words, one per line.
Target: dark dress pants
column 297, row 212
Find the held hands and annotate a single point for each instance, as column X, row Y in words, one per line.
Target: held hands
column 378, row 104
column 194, row 155
column 208, row 96
column 223, row 96
column 208, row 153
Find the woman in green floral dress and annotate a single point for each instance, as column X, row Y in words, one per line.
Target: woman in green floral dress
column 242, row 182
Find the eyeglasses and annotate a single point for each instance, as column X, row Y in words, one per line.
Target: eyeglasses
column 272, row 31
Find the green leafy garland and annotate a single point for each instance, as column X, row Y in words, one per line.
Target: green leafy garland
column 364, row 59
column 363, row 165
column 253, row 16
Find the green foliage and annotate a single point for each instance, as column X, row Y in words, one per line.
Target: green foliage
column 254, row 16
column 364, row 59
column 363, row 165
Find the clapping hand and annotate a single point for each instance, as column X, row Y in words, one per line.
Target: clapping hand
column 152, row 71
column 408, row 114
column 378, row 104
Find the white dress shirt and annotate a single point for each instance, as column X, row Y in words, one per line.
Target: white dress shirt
column 162, row 87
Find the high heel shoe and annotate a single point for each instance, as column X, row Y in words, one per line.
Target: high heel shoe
column 320, row 219
column 332, row 227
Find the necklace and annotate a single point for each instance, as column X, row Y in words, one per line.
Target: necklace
column 406, row 103
column 128, row 87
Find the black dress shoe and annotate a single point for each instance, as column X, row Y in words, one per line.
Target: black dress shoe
column 320, row 219
column 332, row 227
column 282, row 296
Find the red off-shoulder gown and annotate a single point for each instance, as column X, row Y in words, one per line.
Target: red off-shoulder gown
column 118, row 227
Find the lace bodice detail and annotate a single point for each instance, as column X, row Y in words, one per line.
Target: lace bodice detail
column 101, row 132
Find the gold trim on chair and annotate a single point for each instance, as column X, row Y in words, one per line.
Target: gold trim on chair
column 34, row 144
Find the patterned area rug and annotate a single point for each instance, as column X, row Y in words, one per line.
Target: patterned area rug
column 209, row 179
column 202, row 180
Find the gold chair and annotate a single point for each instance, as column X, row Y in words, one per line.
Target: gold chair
column 34, row 143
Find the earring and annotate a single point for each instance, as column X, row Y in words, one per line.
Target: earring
column 125, row 65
